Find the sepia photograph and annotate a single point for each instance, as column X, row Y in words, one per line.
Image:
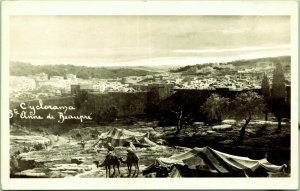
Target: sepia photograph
column 150, row 96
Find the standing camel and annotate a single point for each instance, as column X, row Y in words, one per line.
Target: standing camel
column 110, row 160
column 132, row 159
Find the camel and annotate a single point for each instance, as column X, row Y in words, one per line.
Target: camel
column 110, row 160
column 132, row 159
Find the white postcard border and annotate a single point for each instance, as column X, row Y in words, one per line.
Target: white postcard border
column 147, row 8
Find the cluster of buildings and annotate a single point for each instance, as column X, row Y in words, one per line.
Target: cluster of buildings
column 41, row 86
column 234, row 82
column 229, row 77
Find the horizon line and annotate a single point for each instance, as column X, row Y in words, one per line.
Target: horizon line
column 149, row 66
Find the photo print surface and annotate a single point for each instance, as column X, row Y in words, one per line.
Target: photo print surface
column 149, row 96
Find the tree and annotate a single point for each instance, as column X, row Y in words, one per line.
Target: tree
column 183, row 118
column 215, row 107
column 265, row 90
column 247, row 106
column 278, row 94
column 278, row 83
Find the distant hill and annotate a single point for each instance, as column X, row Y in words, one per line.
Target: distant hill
column 25, row 69
column 239, row 64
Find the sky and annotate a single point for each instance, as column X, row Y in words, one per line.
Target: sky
column 146, row 40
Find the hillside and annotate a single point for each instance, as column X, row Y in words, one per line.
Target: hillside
column 25, row 69
column 236, row 65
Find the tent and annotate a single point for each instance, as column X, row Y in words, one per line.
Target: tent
column 207, row 162
column 121, row 137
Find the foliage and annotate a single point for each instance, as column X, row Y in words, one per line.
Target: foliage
column 278, row 83
column 192, row 68
column 265, row 87
column 278, row 94
column 247, row 106
column 25, row 69
column 265, row 90
column 226, row 66
column 215, row 107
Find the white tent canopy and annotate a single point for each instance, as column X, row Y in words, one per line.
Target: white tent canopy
column 208, row 160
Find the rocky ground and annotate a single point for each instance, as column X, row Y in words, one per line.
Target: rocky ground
column 63, row 156
column 43, row 154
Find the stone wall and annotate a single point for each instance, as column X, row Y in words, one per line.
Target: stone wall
column 127, row 104
column 135, row 103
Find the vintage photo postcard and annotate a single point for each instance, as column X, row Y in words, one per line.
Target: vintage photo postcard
column 149, row 95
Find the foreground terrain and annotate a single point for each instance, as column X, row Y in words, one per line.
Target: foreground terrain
column 40, row 152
